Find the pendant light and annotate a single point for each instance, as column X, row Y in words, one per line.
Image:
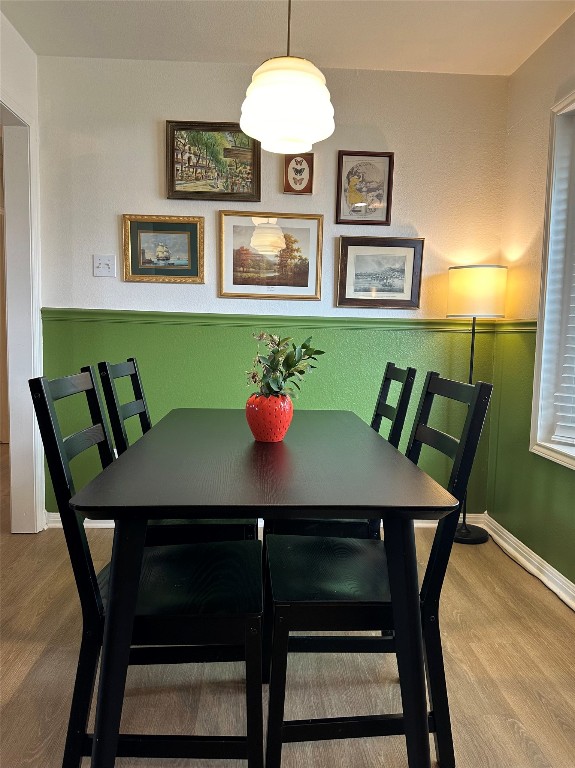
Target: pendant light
column 268, row 238
column 287, row 106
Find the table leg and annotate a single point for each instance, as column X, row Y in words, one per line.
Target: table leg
column 402, row 568
column 125, row 567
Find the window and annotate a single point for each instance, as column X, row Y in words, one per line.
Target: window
column 553, row 417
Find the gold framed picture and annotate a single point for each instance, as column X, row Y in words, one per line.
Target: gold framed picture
column 270, row 255
column 163, row 249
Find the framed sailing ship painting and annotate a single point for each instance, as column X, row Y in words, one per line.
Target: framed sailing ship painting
column 163, row 249
column 212, row 161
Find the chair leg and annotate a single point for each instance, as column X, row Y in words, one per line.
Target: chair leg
column 82, row 698
column 438, row 693
column 277, row 690
column 254, row 714
column 267, row 621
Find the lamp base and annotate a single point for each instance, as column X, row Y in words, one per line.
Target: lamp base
column 470, row 534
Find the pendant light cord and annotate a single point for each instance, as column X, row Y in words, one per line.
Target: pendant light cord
column 289, row 28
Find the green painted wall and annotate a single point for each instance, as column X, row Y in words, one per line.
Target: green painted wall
column 201, row 360
column 531, row 496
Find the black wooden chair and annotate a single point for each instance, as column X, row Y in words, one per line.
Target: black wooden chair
column 160, row 531
column 196, row 602
column 359, row 529
column 351, row 591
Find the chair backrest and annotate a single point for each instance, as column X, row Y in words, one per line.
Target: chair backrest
column 60, row 451
column 119, row 412
column 461, row 450
column 396, row 414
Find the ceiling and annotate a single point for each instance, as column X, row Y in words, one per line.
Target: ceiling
column 488, row 37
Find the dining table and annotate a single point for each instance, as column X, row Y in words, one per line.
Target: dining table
column 203, row 463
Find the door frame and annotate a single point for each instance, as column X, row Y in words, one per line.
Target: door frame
column 23, row 316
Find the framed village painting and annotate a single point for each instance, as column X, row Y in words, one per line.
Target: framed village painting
column 163, row 249
column 212, row 161
column 364, row 186
column 379, row 272
column 270, row 255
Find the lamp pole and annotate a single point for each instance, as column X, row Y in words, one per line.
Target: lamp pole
column 470, row 534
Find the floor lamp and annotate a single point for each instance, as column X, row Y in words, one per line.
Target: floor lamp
column 476, row 290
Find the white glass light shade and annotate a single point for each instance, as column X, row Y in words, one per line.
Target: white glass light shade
column 477, row 290
column 268, row 238
column 287, row 106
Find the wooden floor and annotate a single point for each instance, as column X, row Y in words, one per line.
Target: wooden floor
column 509, row 653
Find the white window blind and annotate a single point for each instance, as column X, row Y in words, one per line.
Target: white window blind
column 564, row 400
column 553, row 416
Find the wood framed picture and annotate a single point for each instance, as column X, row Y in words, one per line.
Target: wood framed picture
column 270, row 255
column 163, row 249
column 212, row 161
column 364, row 186
column 298, row 174
column 376, row 272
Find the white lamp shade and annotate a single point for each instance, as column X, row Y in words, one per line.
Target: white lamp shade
column 477, row 290
column 287, row 106
column 268, row 238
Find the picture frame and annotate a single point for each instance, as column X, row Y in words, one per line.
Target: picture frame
column 298, row 174
column 380, row 272
column 163, row 249
column 212, row 161
column 364, row 187
column 281, row 260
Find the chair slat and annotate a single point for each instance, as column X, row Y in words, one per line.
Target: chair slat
column 436, row 439
column 454, row 390
column 119, row 370
column 69, row 385
column 80, row 441
column 386, row 410
column 132, row 409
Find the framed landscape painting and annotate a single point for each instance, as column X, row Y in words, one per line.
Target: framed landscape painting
column 212, row 161
column 364, row 186
column 270, row 255
column 163, row 249
column 379, row 272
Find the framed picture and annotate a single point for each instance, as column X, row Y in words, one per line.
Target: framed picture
column 298, row 174
column 364, row 184
column 163, row 249
column 379, row 272
column 212, row 161
column 270, row 255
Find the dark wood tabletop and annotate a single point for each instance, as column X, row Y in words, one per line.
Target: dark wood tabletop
column 205, row 462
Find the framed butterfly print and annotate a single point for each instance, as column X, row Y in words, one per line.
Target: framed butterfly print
column 298, row 174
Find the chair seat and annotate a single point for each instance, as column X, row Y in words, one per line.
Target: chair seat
column 355, row 529
column 214, row 579
column 327, row 569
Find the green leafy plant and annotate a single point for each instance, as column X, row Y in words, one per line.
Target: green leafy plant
column 282, row 366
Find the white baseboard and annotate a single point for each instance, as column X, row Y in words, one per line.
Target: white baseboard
column 525, row 557
column 531, row 561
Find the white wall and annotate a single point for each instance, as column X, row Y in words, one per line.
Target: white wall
column 542, row 81
column 103, row 154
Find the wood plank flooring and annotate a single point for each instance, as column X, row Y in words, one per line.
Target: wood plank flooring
column 509, row 654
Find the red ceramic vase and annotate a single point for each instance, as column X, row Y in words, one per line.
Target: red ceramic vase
column 269, row 417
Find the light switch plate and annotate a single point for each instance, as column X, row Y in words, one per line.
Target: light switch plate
column 104, row 266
